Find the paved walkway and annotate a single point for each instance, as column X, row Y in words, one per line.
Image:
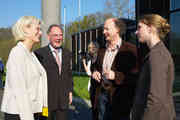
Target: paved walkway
column 1, row 114
column 177, row 106
column 80, row 109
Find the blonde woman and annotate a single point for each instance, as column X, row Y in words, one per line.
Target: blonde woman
column 25, row 92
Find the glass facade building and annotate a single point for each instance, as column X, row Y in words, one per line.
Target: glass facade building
column 174, row 42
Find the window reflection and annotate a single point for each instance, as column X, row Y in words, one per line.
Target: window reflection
column 175, row 4
column 175, row 33
column 175, row 39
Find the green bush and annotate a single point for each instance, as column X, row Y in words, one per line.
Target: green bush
column 81, row 86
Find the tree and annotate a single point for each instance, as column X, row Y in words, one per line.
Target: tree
column 87, row 22
column 6, row 43
column 120, row 8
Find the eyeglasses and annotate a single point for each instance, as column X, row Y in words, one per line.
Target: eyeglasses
column 56, row 35
column 92, row 47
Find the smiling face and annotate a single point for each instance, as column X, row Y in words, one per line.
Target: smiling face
column 55, row 37
column 35, row 32
column 110, row 30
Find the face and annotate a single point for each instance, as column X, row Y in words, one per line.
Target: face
column 55, row 37
column 110, row 30
column 92, row 49
column 34, row 32
column 143, row 32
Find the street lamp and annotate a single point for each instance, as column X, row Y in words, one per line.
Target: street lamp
column 79, row 13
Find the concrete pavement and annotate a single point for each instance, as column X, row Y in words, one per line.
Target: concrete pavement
column 80, row 109
column 1, row 114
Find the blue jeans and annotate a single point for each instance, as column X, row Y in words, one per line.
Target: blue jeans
column 104, row 106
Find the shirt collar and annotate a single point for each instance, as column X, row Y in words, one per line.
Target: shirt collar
column 53, row 49
column 117, row 46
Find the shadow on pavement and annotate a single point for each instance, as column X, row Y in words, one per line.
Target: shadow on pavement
column 79, row 110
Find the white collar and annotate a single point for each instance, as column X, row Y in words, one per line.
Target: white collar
column 117, row 46
column 53, row 49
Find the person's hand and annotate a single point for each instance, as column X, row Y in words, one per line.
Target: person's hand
column 97, row 76
column 109, row 74
column 70, row 98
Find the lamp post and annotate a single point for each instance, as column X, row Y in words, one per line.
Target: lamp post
column 64, row 37
column 51, row 14
column 79, row 17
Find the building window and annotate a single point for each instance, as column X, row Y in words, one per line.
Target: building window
column 175, row 4
column 175, row 33
column 175, row 39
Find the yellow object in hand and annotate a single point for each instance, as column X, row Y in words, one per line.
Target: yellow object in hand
column 45, row 111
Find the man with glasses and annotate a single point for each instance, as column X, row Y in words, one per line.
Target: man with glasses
column 57, row 62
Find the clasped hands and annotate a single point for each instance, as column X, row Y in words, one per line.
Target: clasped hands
column 108, row 74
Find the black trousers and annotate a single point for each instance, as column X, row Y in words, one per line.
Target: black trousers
column 92, row 99
column 58, row 115
column 7, row 116
column 53, row 115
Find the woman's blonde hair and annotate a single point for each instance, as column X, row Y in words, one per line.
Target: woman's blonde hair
column 18, row 27
column 158, row 22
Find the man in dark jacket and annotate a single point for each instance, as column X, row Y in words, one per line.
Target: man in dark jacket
column 57, row 62
column 115, row 70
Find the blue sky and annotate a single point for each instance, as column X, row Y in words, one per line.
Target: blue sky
column 12, row 10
